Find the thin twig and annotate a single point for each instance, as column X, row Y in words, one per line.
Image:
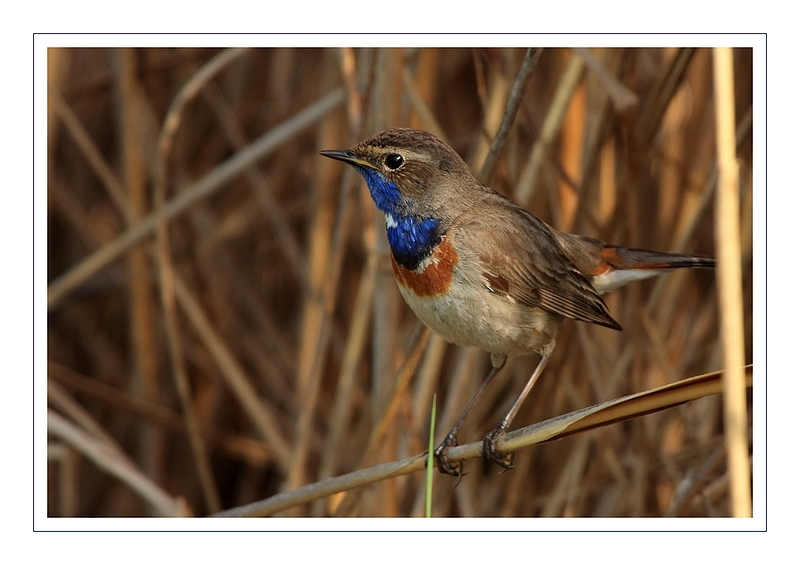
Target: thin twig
column 512, row 106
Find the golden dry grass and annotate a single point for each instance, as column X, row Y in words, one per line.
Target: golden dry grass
column 224, row 324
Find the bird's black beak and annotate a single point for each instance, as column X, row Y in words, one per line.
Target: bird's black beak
column 346, row 155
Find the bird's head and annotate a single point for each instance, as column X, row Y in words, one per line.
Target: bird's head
column 408, row 171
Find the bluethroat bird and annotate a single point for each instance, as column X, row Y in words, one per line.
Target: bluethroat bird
column 479, row 270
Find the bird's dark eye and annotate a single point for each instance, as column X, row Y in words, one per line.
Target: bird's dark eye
column 394, row 161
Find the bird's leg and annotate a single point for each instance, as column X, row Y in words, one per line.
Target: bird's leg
column 451, row 440
column 506, row 460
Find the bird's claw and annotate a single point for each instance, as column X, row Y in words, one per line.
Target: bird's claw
column 443, row 464
column 490, row 452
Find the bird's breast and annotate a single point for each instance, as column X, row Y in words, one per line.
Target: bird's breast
column 436, row 291
column 434, row 273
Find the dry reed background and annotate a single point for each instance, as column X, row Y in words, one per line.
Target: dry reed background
column 247, row 341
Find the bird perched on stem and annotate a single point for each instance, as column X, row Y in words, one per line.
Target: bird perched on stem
column 479, row 270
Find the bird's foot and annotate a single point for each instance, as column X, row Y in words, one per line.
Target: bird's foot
column 490, row 452
column 440, row 453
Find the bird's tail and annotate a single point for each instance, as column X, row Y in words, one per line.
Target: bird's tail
column 621, row 265
column 628, row 258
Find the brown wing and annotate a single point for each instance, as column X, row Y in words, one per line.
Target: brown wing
column 521, row 258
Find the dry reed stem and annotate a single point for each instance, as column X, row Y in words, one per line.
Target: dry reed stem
column 573, row 135
column 91, row 439
column 598, row 152
column 383, row 110
column 654, row 107
column 426, row 75
column 729, row 257
column 167, row 275
column 401, row 384
column 67, row 460
column 499, row 88
column 614, row 411
column 426, row 380
column 94, row 157
column 621, row 96
column 244, row 448
column 261, row 415
column 426, row 116
column 326, row 259
column 143, row 310
column 111, row 459
column 571, row 77
column 378, row 433
column 356, row 340
column 262, row 189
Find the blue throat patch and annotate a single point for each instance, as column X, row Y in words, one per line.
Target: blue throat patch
column 411, row 238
